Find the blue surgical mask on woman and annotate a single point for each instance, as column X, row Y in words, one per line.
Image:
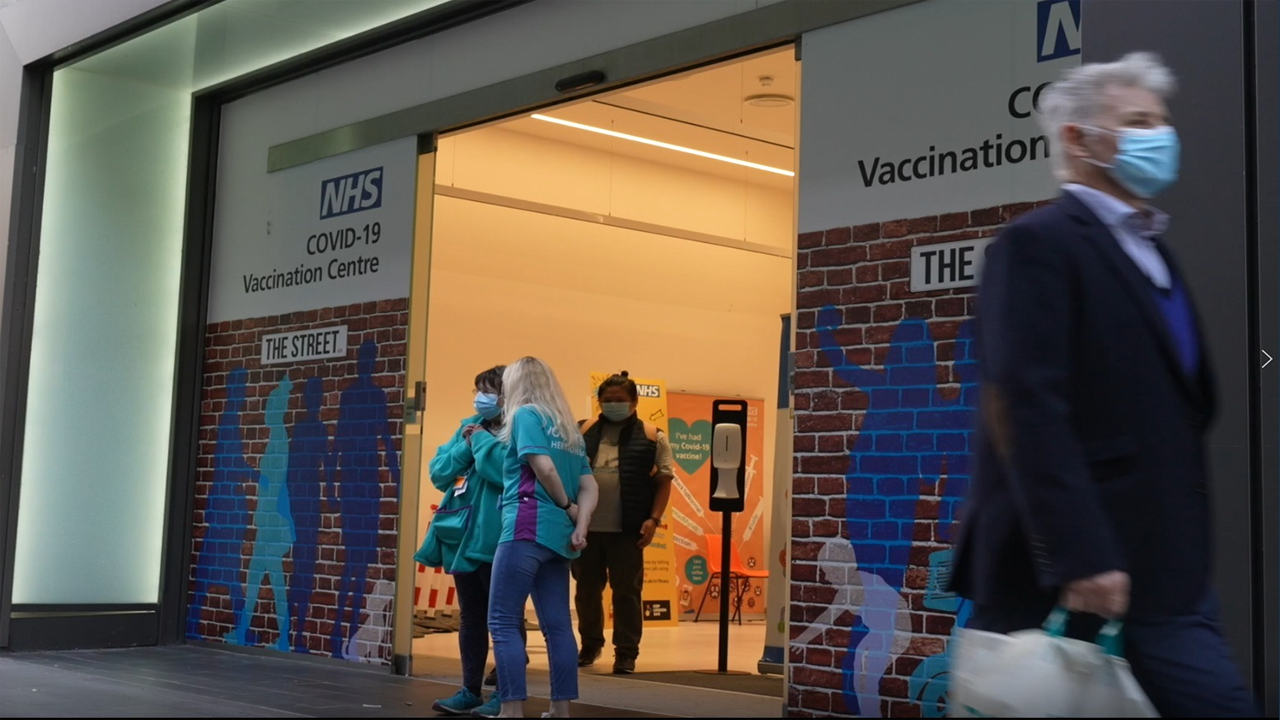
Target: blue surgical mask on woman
column 1146, row 161
column 487, row 405
column 616, row 411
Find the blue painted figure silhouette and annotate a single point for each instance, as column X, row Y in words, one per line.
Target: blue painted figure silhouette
column 362, row 423
column 957, row 423
column 308, row 451
column 273, row 520
column 928, row 684
column 226, row 514
column 896, row 446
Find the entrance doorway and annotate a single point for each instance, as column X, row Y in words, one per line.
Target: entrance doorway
column 650, row 230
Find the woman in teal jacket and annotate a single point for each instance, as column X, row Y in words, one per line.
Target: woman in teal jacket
column 464, row 532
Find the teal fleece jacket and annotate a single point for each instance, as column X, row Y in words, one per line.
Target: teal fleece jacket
column 464, row 549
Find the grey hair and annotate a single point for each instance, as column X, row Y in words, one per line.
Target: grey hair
column 1077, row 98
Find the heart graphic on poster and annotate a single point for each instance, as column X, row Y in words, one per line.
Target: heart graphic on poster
column 690, row 444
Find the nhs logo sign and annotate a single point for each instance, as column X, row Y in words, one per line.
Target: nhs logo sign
column 1057, row 29
column 351, row 193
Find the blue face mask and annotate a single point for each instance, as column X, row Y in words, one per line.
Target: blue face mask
column 1146, row 161
column 616, row 411
column 487, row 405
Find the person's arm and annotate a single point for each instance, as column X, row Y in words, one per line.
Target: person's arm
column 549, row 479
column 331, row 477
column 665, row 472
column 583, row 509
column 1028, row 320
column 389, row 447
column 533, row 446
column 328, row 493
column 451, row 460
column 489, row 453
column 829, row 319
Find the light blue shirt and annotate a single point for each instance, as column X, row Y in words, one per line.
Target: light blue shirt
column 1133, row 230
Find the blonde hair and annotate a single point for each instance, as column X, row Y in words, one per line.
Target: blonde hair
column 530, row 381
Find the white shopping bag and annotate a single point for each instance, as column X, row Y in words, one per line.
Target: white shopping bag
column 1040, row 673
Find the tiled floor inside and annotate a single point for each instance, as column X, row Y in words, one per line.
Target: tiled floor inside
column 689, row 646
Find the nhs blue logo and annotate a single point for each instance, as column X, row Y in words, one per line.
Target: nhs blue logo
column 1057, row 29
column 351, row 193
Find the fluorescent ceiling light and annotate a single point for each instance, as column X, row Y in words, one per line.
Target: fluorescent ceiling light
column 668, row 146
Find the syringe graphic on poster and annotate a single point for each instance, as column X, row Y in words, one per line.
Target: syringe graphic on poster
column 686, row 543
column 754, row 521
column 690, row 498
column 687, row 521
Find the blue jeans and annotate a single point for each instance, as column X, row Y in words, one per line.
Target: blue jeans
column 527, row 568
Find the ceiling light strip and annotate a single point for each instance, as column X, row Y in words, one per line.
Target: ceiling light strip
column 667, row 146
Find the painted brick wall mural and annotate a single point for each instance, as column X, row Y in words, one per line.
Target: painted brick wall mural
column 885, row 390
column 298, row 485
column 905, row 175
column 297, row 488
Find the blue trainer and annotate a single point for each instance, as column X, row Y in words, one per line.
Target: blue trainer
column 462, row 702
column 490, row 709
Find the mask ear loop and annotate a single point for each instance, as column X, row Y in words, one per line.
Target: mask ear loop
column 1093, row 161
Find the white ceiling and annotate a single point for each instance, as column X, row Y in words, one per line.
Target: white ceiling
column 704, row 110
column 715, row 97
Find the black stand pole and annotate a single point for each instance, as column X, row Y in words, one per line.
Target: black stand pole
column 725, row 587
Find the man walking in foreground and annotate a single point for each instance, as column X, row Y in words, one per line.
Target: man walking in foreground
column 1091, row 488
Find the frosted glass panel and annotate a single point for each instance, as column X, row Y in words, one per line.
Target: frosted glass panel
column 99, row 405
column 96, row 453
column 235, row 37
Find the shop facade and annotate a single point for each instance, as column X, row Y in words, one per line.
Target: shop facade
column 219, row 270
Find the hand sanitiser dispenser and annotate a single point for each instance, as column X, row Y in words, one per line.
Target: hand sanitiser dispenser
column 726, row 456
column 729, row 427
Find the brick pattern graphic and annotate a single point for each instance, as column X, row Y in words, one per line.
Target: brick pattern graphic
column 297, row 489
column 885, row 391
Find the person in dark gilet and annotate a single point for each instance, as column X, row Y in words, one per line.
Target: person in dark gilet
column 631, row 460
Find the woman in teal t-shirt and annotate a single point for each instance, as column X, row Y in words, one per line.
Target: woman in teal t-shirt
column 548, row 496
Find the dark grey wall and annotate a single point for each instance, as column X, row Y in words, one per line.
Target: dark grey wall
column 1212, row 233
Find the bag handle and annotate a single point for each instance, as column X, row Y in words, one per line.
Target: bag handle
column 1108, row 637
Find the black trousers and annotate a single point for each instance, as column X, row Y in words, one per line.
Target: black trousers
column 473, row 632
column 614, row 558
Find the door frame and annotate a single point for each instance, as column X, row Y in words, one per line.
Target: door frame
column 415, row 390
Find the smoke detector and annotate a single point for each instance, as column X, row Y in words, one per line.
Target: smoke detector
column 768, row 99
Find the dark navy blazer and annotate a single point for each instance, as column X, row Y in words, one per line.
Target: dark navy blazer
column 1090, row 455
